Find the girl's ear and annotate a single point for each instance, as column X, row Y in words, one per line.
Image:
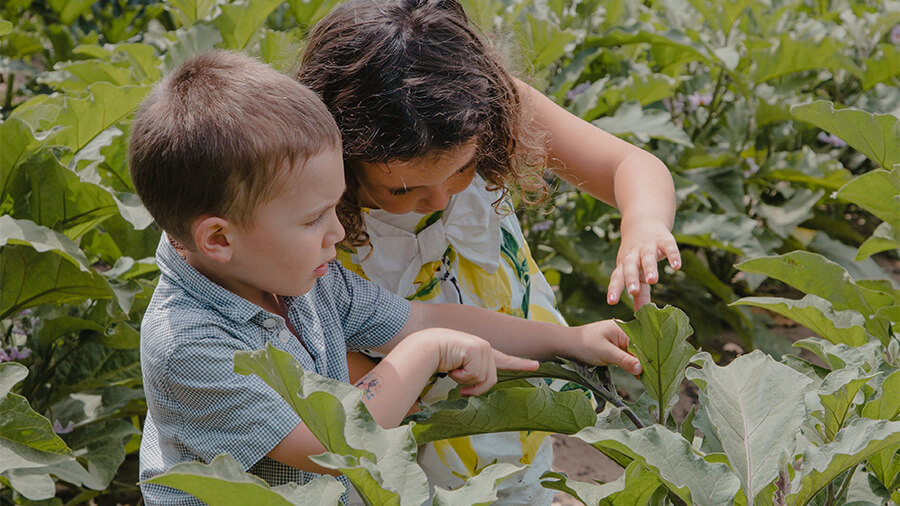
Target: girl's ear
column 211, row 234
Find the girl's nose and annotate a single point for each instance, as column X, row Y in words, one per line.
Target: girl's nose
column 437, row 198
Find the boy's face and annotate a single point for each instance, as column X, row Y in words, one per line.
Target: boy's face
column 291, row 237
column 422, row 185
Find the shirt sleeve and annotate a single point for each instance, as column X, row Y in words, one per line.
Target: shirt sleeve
column 220, row 410
column 370, row 315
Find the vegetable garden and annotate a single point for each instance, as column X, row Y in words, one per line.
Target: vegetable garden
column 780, row 121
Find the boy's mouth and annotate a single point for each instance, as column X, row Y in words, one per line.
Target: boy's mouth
column 321, row 270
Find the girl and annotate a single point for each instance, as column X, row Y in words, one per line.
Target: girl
column 436, row 133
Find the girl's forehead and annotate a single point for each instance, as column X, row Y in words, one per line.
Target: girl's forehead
column 423, row 167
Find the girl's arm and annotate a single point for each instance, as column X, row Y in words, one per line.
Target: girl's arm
column 622, row 175
column 597, row 343
column 392, row 387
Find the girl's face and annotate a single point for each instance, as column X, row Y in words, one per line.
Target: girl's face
column 422, row 185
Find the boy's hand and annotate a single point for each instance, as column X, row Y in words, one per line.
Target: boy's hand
column 472, row 361
column 604, row 343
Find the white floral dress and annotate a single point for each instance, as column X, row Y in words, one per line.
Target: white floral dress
column 468, row 253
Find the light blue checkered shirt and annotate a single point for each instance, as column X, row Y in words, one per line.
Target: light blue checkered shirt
column 198, row 407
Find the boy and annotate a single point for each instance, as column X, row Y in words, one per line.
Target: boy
column 241, row 167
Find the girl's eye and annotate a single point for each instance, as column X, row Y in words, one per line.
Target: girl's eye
column 399, row 191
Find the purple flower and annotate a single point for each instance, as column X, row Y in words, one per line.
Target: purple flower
column 831, row 139
column 895, row 34
column 16, row 354
column 696, row 99
column 752, row 167
column 674, row 105
column 578, row 90
column 59, row 429
column 541, row 226
column 3, row 356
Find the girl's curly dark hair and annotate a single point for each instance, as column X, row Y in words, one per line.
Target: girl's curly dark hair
column 409, row 78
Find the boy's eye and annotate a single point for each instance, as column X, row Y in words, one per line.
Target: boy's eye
column 318, row 220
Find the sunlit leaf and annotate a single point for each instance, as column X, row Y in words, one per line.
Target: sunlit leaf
column 852, row 445
column 837, row 393
column 27, row 232
column 756, row 408
column 223, row 481
column 381, row 463
column 70, row 10
column 84, row 118
column 671, row 458
column 190, row 11
column 876, row 191
column 884, row 238
column 875, row 135
column 631, row 119
column 239, row 22
column 818, row 315
column 887, row 405
column 635, row 486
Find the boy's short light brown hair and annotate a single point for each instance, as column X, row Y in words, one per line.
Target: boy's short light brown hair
column 214, row 138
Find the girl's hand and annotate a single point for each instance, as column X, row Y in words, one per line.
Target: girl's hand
column 604, row 343
column 644, row 243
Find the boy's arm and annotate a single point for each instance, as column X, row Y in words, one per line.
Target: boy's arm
column 392, row 387
column 620, row 174
column 598, row 343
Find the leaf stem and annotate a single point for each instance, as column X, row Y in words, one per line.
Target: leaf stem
column 844, row 486
column 10, row 89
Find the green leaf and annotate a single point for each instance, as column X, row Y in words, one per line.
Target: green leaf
column 505, row 409
column 18, row 144
column 5, row 27
column 30, row 278
column 479, row 490
column 189, row 12
column 380, row 463
column 92, row 365
column 239, row 22
column 757, row 421
column 309, row 12
column 875, row 135
column 887, row 405
column 837, row 356
column 26, row 232
column 885, row 238
column 852, row 445
column 543, row 40
column 837, row 394
column 102, row 447
column 876, row 191
column 879, row 68
column 83, row 119
column 635, row 486
column 658, row 337
column 70, row 10
column 223, row 481
column 639, row 33
column 788, row 56
column 187, row 42
column 27, row 439
column 668, row 456
column 818, row 315
column 814, row 274
column 631, row 119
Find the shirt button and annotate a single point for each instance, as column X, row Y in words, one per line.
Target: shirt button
column 284, row 335
column 269, row 323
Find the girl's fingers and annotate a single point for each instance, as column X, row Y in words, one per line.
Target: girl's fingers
column 648, row 265
column 643, row 297
column 505, row 361
column 672, row 254
column 616, row 285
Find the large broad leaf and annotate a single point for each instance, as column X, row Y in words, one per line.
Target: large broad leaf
column 670, row 457
column 887, row 405
column 836, row 394
column 814, row 274
column 27, row 439
column 479, row 490
column 853, row 444
column 83, row 119
column 789, row 56
column 756, row 409
column 658, row 337
column 223, row 481
column 876, row 191
column 308, row 12
column 380, row 463
column 31, row 278
column 635, row 486
column 818, row 315
column 28, row 233
column 92, row 365
column 505, row 409
column 18, row 143
column 885, row 238
column 837, row 356
column 239, row 22
column 631, row 119
column 638, row 33
column 875, row 135
column 189, row 12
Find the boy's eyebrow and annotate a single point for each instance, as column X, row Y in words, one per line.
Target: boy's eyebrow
column 328, row 205
column 406, row 187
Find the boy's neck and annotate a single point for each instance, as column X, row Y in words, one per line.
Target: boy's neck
column 219, row 275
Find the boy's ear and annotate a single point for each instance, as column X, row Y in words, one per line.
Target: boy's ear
column 211, row 235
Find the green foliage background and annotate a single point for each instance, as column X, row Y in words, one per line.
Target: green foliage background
column 778, row 118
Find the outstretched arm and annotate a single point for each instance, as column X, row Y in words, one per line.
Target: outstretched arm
column 622, row 175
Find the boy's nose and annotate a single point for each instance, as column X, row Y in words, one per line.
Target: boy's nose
column 335, row 233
